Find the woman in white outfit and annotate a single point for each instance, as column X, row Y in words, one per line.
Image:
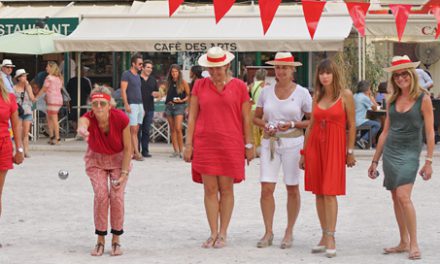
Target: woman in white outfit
column 280, row 111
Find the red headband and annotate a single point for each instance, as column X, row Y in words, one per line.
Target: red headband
column 216, row 59
column 395, row 63
column 100, row 96
column 286, row 59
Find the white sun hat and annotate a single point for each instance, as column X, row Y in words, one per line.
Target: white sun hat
column 7, row 63
column 19, row 73
column 216, row 57
column 284, row 58
column 401, row 62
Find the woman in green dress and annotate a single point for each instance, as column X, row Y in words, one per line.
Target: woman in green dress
column 409, row 111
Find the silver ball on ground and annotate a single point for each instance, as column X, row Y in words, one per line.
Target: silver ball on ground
column 63, row 174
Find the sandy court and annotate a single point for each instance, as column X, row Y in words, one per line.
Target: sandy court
column 48, row 220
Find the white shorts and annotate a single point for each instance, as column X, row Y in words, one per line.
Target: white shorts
column 286, row 154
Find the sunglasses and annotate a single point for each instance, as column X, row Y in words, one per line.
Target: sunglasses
column 402, row 74
column 99, row 103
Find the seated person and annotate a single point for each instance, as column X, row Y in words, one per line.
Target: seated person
column 364, row 100
column 381, row 94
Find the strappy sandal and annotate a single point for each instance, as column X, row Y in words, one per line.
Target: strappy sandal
column 209, row 243
column 51, row 140
column 220, row 242
column 330, row 253
column 116, row 246
column 99, row 250
column 319, row 248
column 57, row 142
column 415, row 255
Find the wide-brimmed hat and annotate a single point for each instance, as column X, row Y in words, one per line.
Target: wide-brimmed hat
column 284, row 58
column 7, row 63
column 20, row 72
column 401, row 62
column 216, row 57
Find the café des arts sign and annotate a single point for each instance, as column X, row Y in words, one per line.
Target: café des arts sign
column 192, row 46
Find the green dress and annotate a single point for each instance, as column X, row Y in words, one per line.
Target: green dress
column 403, row 145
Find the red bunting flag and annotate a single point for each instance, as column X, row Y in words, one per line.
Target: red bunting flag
column 312, row 13
column 401, row 13
column 358, row 11
column 221, row 7
column 173, row 5
column 436, row 12
column 268, row 8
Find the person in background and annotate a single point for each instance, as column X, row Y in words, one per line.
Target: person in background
column 425, row 80
column 72, row 90
column 409, row 112
column 131, row 94
column 365, row 100
column 218, row 138
column 283, row 106
column 327, row 150
column 178, row 94
column 6, row 73
column 107, row 162
column 254, row 92
column 195, row 73
column 25, row 97
column 54, row 100
column 150, row 90
column 8, row 114
column 382, row 94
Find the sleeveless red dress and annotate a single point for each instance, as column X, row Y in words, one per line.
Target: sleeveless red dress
column 325, row 153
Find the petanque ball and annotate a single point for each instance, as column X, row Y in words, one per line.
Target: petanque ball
column 63, row 174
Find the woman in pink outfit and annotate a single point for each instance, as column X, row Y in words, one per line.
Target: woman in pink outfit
column 107, row 159
column 54, row 100
column 218, row 131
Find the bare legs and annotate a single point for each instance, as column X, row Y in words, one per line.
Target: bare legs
column 406, row 221
column 327, row 208
column 2, row 182
column 176, row 123
column 134, row 130
column 267, row 203
column 219, row 203
column 54, row 127
column 26, row 125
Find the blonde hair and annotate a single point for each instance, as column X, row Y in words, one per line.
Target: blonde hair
column 54, row 70
column 4, row 91
column 414, row 89
column 105, row 90
column 328, row 66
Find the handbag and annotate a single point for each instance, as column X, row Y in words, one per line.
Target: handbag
column 20, row 108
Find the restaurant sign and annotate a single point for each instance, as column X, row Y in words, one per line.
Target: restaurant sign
column 64, row 25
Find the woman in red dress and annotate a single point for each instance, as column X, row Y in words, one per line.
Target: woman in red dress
column 218, row 139
column 326, row 152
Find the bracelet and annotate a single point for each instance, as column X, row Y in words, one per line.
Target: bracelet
column 124, row 172
column 375, row 162
column 428, row 159
column 292, row 124
column 302, row 152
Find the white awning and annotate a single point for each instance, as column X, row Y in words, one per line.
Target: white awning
column 419, row 28
column 151, row 30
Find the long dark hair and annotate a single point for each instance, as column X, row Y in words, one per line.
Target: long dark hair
column 179, row 83
column 328, row 66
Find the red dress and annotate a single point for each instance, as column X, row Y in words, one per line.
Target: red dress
column 218, row 135
column 325, row 153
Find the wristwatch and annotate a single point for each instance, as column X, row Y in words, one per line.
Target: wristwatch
column 350, row 151
column 292, row 124
column 248, row 146
column 20, row 150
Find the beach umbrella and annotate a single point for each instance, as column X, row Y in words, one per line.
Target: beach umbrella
column 35, row 41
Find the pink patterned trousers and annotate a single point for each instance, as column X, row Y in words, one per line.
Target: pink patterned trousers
column 101, row 169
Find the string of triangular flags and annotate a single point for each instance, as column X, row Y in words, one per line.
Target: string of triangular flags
column 312, row 13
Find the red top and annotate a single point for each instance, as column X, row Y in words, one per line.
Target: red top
column 6, row 110
column 218, row 135
column 325, row 153
column 111, row 142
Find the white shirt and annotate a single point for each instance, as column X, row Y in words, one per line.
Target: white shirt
column 290, row 109
column 7, row 80
column 424, row 80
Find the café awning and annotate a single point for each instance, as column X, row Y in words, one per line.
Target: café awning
column 152, row 30
column 419, row 28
